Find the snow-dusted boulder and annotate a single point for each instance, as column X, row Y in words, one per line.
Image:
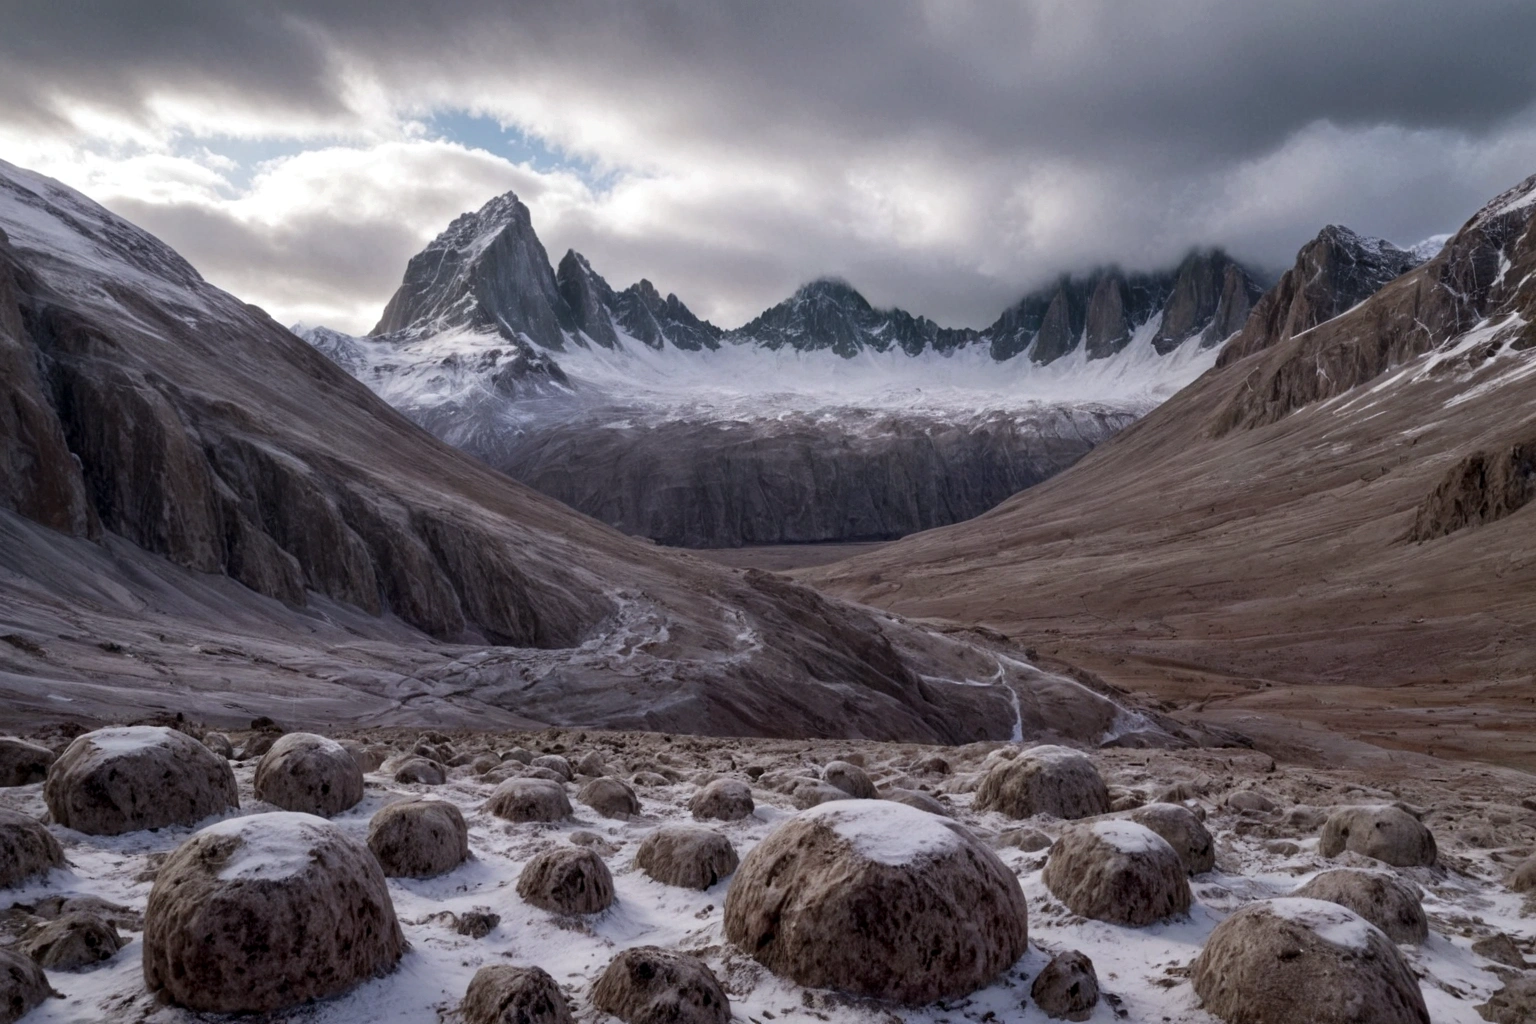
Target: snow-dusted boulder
column 918, row 799
column 1523, row 878
column 686, row 855
column 23, row 986
column 592, row 764
column 1067, row 988
column 723, row 800
column 120, row 780
column 1301, row 961
column 369, row 757
column 1117, row 871
column 651, row 985
column 879, row 899
column 421, row 770
column 521, row 800
column 23, row 763
column 554, row 763
column 264, row 912
column 806, row 793
column 73, row 941
column 418, row 838
column 1382, row 831
column 1376, row 896
column 849, row 778
column 567, row 880
column 27, row 848
column 310, row 774
column 610, row 797
column 503, row 994
column 1181, row 829
column 1044, row 780
column 219, row 744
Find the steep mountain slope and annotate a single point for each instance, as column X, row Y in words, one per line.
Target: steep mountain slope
column 200, row 513
column 1334, row 526
column 823, row 419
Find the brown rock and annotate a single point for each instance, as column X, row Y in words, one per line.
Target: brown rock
column 503, row 994
column 849, row 778
column 23, row 986
column 23, row 763
column 264, row 912
column 686, row 855
column 1501, row 949
column 650, row 985
column 1387, row 833
column 422, row 771
column 1182, row 830
column 1515, row 1003
column 1044, row 780
column 120, row 780
column 567, row 880
column 610, row 797
column 26, row 848
column 418, row 838
column 219, row 744
column 1523, row 878
column 878, row 899
column 310, row 774
column 529, row 800
column 1300, row 961
column 554, row 763
column 1376, row 896
column 1117, row 871
column 1067, row 988
column 73, row 941
column 722, row 800
column 922, row 801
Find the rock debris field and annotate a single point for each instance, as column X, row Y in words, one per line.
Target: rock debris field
column 163, row 874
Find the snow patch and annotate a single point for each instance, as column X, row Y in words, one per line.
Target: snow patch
column 1128, row 837
column 272, row 846
column 1336, row 925
column 130, row 739
column 887, row 832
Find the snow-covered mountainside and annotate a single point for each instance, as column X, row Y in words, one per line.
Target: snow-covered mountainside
column 822, row 419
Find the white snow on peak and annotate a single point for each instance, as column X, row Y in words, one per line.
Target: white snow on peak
column 1430, row 247
column 1334, row 924
column 272, row 846
column 887, row 832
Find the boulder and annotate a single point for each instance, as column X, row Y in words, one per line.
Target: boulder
column 1523, row 878
column 219, row 744
column 368, row 758
column 23, row 763
column 27, row 848
column 849, row 778
column 265, row 912
column 1067, row 988
column 73, row 941
column 931, row 765
column 418, row 838
column 650, row 780
column 310, row 774
column 610, row 797
column 23, row 986
column 1182, row 830
column 503, row 994
column 686, row 855
column 120, row 780
column 592, row 763
column 567, row 880
column 1044, row 780
column 422, row 771
column 722, row 800
column 651, row 985
column 529, row 800
column 879, row 899
column 477, row 923
column 554, row 763
column 519, row 754
column 258, row 744
column 1030, row 840
column 1515, row 1003
column 1117, row 871
column 1251, row 801
column 1301, row 961
column 1501, row 949
column 917, row 798
column 582, row 837
column 1382, row 831
column 1374, row 895
column 806, row 793
column 484, row 763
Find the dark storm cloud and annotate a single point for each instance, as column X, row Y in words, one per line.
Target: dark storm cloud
column 942, row 153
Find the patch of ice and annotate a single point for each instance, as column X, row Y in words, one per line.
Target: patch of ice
column 887, row 832
column 1330, row 922
column 272, row 846
column 129, row 739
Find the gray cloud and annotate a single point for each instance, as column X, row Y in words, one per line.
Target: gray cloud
column 942, row 154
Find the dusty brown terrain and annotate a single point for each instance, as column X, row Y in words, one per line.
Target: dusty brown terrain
column 784, row 557
column 1311, row 532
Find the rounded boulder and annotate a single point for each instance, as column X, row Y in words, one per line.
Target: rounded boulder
column 687, row 856
column 23, row 763
column 1376, row 896
column 521, row 800
column 610, row 797
column 1067, row 988
column 878, row 899
column 1044, row 780
column 1302, row 961
column 503, row 994
column 849, row 778
column 1383, row 832
column 310, row 774
column 554, row 763
column 1181, row 829
column 421, row 770
column 722, row 800
column 265, row 912
column 418, row 838
column 651, row 985
column 74, row 941
column 27, row 848
column 1117, row 871
column 136, row 777
column 1523, row 878
column 567, row 880
column 23, row 986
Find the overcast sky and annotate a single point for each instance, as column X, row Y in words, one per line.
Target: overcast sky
column 942, row 155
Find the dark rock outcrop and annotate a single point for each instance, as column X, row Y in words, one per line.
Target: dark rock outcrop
column 830, row 314
column 1484, row 487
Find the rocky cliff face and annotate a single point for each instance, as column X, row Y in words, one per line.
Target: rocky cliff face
column 1208, row 296
column 830, row 314
column 201, row 513
column 1334, row 272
